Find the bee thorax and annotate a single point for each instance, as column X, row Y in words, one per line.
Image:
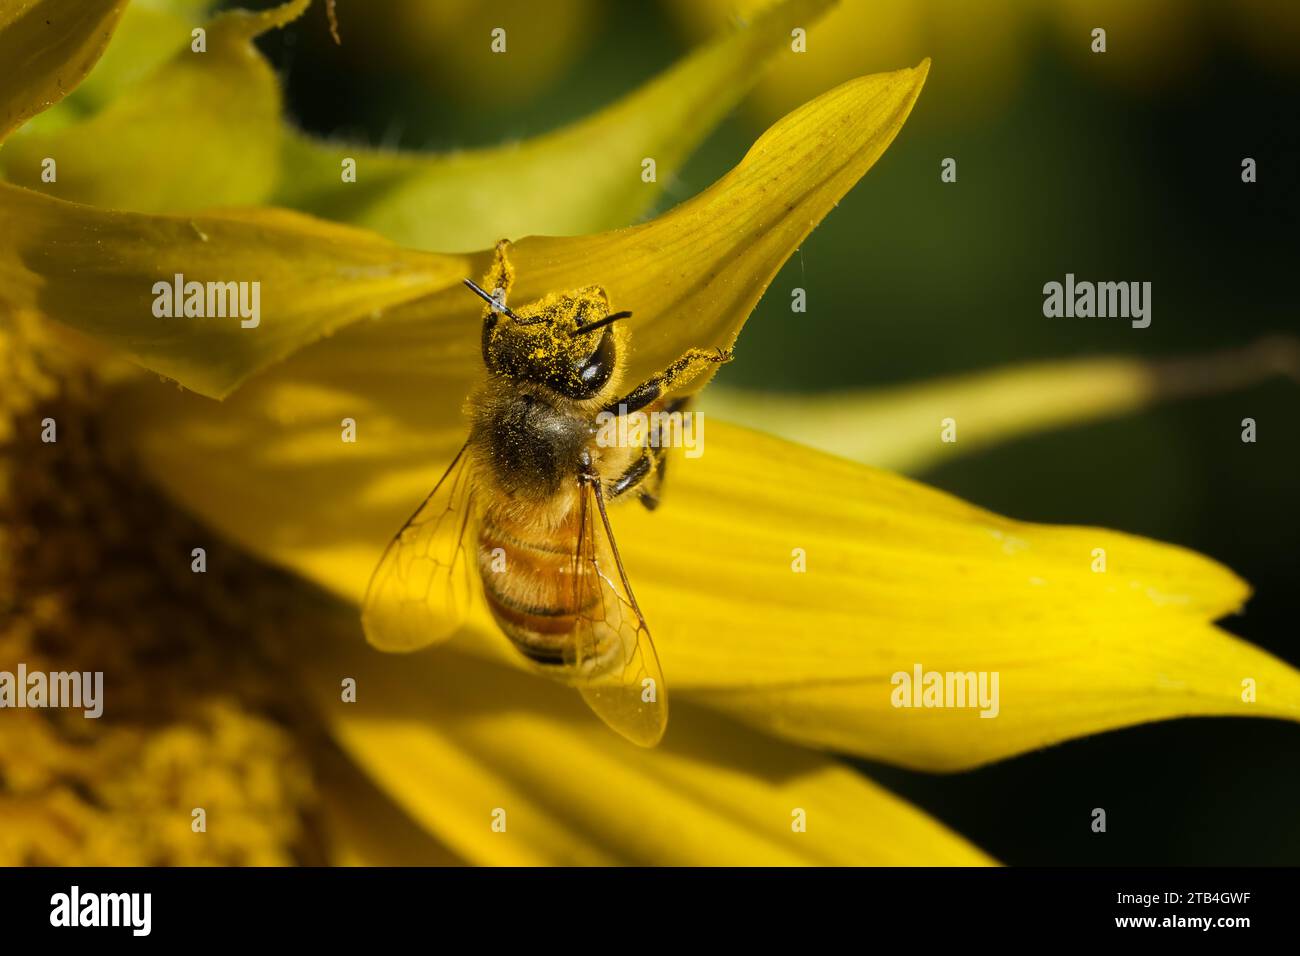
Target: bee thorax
column 526, row 448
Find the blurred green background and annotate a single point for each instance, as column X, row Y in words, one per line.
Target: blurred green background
column 1122, row 166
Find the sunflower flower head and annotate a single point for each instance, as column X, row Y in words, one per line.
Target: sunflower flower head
column 195, row 721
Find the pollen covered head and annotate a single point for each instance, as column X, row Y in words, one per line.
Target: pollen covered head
column 565, row 341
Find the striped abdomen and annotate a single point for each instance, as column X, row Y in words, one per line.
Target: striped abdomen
column 530, row 583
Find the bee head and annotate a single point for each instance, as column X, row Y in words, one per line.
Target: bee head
column 565, row 341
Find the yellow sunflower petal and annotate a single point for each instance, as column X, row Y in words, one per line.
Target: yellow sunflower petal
column 363, row 826
column 57, row 257
column 897, row 574
column 900, row 428
column 99, row 272
column 580, row 179
column 202, row 130
column 692, row 276
column 47, row 46
column 461, row 744
column 1052, row 689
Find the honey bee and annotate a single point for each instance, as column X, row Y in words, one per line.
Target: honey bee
column 527, row 496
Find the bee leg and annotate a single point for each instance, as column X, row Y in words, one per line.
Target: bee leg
column 646, row 474
column 686, row 367
column 635, row 474
column 652, row 485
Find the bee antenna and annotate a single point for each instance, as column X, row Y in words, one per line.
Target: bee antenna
column 601, row 323
column 491, row 300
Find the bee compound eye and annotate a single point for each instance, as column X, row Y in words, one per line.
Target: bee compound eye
column 584, row 378
column 599, row 366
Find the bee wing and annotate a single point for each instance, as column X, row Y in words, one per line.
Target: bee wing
column 422, row 587
column 614, row 663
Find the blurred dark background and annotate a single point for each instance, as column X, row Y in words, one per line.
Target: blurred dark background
column 1122, row 166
